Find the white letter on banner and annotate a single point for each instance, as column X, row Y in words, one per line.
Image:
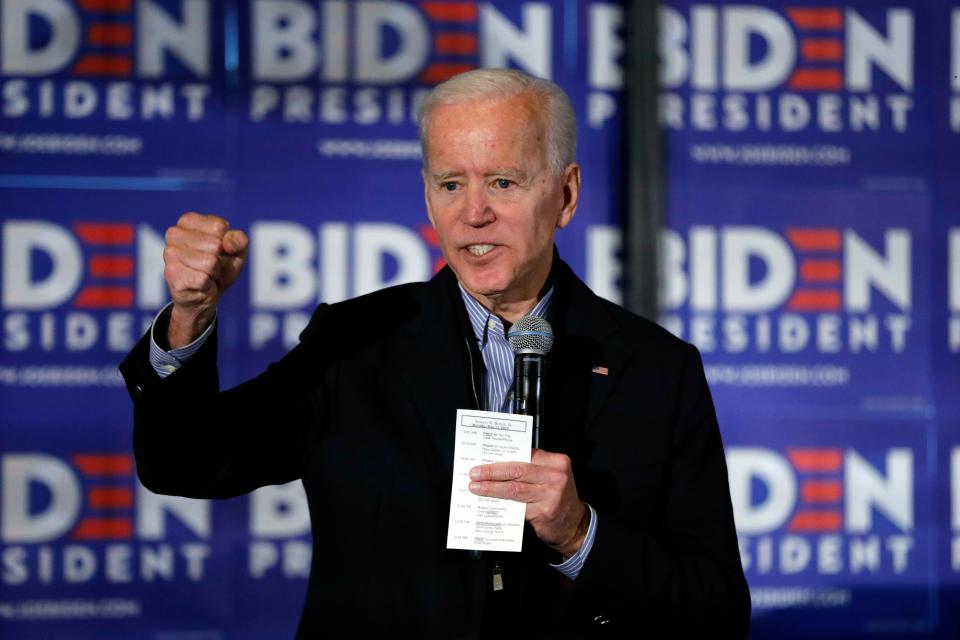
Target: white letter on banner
column 152, row 510
column 333, row 262
column 863, row 267
column 953, row 269
column 740, row 73
column 865, row 48
column 20, row 239
column 672, row 35
column 745, row 464
column 866, row 489
column 955, row 47
column 606, row 47
column 335, row 40
column 374, row 240
column 955, row 489
column 282, row 276
column 283, row 47
column 603, row 262
column 79, row 99
column 79, row 564
column 151, row 287
column 739, row 245
column 81, row 331
column 502, row 43
column 703, row 268
column 412, row 52
column 18, row 59
column 18, row 471
column 279, row 511
column 673, row 279
column 794, row 554
column 703, row 48
column 158, row 34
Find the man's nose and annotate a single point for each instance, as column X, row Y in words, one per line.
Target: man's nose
column 478, row 212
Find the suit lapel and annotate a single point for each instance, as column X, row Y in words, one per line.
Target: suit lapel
column 587, row 362
column 437, row 365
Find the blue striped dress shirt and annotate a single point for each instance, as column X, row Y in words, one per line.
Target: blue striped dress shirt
column 498, row 361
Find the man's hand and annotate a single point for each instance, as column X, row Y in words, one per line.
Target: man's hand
column 554, row 510
column 203, row 257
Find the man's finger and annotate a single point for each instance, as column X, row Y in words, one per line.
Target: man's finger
column 514, row 490
column 202, row 261
column 214, row 225
column 235, row 243
column 512, row 471
column 194, row 239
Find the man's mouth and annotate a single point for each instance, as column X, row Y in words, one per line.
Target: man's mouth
column 479, row 249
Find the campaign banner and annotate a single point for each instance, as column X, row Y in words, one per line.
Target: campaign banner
column 294, row 120
column 811, row 251
column 811, row 157
column 836, row 528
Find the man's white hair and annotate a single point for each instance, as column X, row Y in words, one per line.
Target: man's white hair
column 482, row 84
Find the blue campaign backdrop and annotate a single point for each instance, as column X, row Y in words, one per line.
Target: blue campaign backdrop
column 811, row 251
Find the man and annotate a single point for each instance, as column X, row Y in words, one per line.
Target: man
column 630, row 524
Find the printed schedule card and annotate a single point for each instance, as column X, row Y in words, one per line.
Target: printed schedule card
column 476, row 522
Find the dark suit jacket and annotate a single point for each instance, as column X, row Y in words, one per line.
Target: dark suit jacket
column 363, row 410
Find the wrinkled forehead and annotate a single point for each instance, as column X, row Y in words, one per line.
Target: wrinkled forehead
column 513, row 123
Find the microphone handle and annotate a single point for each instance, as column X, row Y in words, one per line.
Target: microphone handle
column 527, row 399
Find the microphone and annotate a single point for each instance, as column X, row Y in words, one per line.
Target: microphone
column 531, row 338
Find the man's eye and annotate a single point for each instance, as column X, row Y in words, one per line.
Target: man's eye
column 449, row 186
column 503, row 183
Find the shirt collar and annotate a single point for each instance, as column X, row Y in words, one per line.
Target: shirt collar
column 480, row 316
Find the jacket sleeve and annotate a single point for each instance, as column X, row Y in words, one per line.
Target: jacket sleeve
column 191, row 439
column 681, row 576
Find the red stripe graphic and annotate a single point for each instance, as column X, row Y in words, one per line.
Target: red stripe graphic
column 819, row 460
column 104, row 298
column 110, row 498
column 109, row 35
column 105, row 6
column 811, row 521
column 450, row 11
column 104, row 233
column 429, row 235
column 455, row 43
column 821, row 50
column 106, row 464
column 821, row 491
column 103, row 66
column 816, row 80
column 810, row 300
column 814, row 239
column 103, row 529
column 110, row 266
column 822, row 19
column 820, row 270
column 438, row 72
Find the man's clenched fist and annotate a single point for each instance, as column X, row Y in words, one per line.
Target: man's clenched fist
column 202, row 258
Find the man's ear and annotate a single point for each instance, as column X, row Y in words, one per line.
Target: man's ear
column 426, row 196
column 570, row 188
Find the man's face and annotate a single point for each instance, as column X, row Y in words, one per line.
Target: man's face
column 492, row 198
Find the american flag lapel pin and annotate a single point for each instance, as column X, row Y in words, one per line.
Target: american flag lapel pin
column 602, row 371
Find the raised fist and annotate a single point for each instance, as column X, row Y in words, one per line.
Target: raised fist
column 202, row 258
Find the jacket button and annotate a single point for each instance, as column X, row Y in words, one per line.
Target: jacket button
column 137, row 391
column 601, row 620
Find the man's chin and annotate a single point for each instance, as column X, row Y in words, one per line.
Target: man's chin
column 482, row 288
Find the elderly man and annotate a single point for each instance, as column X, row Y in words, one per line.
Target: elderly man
column 630, row 528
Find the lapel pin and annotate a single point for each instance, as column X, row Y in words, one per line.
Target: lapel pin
column 603, row 371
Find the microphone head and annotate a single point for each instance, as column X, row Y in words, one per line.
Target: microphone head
column 531, row 334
